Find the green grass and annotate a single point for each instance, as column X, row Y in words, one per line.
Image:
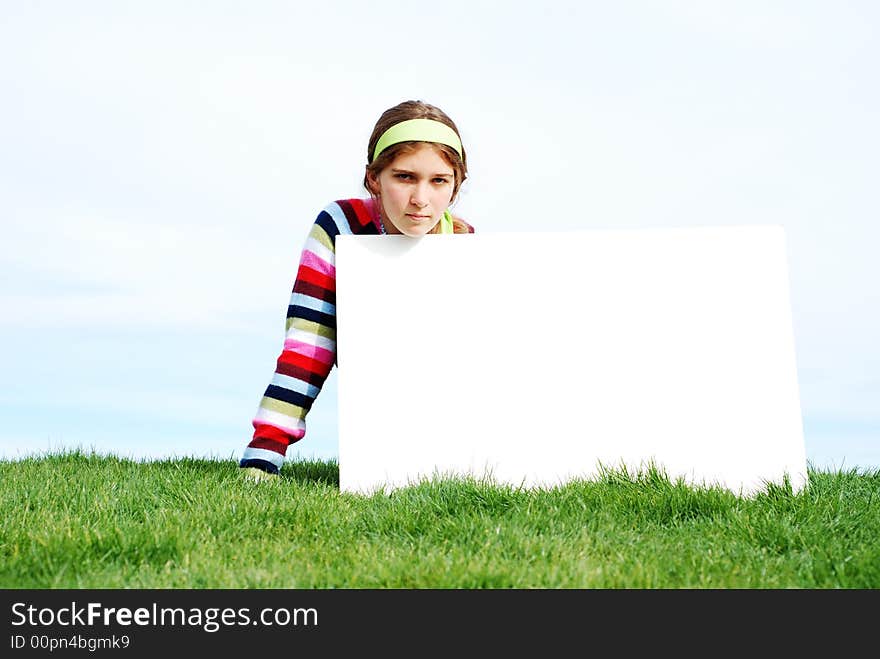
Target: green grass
column 76, row 520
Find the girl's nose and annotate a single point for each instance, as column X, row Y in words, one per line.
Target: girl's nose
column 419, row 197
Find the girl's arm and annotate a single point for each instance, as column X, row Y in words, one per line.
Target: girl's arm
column 308, row 354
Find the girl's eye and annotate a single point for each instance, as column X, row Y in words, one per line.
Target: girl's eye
column 441, row 181
column 403, row 177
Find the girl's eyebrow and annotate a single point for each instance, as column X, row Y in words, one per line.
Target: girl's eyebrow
column 407, row 171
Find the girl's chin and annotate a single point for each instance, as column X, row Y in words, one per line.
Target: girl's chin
column 414, row 229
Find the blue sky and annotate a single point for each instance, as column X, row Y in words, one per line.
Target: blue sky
column 161, row 163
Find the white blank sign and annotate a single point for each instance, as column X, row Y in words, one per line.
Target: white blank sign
column 535, row 358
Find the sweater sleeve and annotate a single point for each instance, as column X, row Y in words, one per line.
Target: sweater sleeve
column 308, row 354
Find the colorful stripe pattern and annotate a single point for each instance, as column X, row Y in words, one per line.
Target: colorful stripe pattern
column 309, row 350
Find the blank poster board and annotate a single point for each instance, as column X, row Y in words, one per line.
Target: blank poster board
column 535, row 358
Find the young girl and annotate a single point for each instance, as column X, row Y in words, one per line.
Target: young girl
column 415, row 167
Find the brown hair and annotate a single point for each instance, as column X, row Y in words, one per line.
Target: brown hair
column 416, row 110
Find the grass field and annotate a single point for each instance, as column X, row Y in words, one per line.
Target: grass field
column 84, row 521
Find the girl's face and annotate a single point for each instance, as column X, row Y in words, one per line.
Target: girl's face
column 414, row 190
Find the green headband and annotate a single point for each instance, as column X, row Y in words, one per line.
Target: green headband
column 418, row 130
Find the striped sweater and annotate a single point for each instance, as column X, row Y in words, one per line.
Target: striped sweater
column 309, row 351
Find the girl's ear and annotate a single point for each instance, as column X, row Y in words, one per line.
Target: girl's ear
column 372, row 182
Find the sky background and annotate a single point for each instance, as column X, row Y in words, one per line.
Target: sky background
column 162, row 162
